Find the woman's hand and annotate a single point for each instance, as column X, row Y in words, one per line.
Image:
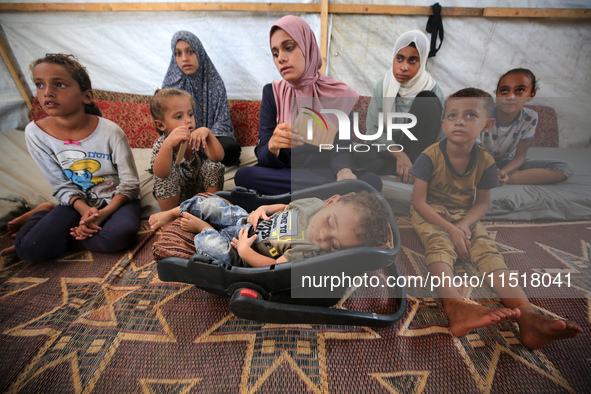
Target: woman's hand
column 403, row 166
column 345, row 173
column 199, row 138
column 284, row 138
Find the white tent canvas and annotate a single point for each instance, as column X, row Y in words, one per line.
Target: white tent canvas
column 130, row 52
column 91, row 322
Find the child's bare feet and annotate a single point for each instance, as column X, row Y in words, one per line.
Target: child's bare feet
column 160, row 219
column 8, row 252
column 15, row 224
column 537, row 330
column 193, row 224
column 464, row 316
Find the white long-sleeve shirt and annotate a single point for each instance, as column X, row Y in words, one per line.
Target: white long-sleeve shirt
column 95, row 168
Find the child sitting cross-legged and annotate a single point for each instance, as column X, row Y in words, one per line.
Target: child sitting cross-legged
column 177, row 180
column 514, row 130
column 451, row 194
column 279, row 233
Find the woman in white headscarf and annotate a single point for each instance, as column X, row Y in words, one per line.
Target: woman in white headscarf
column 397, row 92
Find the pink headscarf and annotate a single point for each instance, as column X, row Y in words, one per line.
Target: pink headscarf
column 312, row 83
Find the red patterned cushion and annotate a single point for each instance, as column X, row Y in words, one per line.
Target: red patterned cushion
column 132, row 113
column 547, row 128
column 37, row 111
column 133, row 118
column 245, row 119
column 174, row 241
column 361, row 108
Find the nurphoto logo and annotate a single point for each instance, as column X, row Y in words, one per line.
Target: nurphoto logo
column 344, row 130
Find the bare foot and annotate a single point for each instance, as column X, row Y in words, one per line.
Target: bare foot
column 464, row 316
column 537, row 330
column 8, row 252
column 159, row 219
column 193, row 224
column 15, row 224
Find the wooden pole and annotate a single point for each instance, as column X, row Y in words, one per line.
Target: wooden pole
column 361, row 9
column 136, row 7
column 16, row 75
column 324, row 34
column 536, row 13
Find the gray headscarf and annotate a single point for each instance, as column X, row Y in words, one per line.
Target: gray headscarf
column 205, row 85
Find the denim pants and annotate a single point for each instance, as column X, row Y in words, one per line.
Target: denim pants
column 228, row 219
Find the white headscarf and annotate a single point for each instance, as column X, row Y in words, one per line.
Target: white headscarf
column 421, row 81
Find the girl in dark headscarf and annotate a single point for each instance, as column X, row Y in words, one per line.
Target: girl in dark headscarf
column 191, row 70
column 285, row 162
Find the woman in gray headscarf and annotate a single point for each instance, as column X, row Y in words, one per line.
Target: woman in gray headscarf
column 191, row 70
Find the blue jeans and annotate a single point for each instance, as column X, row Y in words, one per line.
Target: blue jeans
column 225, row 217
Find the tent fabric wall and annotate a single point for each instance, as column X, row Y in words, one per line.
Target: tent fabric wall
column 13, row 110
column 476, row 52
column 130, row 52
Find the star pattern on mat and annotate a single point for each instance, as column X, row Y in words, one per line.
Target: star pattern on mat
column 482, row 349
column 578, row 269
column 302, row 347
column 180, row 386
column 403, row 382
column 10, row 284
column 95, row 316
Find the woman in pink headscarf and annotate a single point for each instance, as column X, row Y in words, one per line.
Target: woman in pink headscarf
column 285, row 161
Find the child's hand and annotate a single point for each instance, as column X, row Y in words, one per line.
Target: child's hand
column 284, row 138
column 464, row 227
column 177, row 136
column 83, row 231
column 244, row 241
column 257, row 215
column 91, row 219
column 462, row 242
column 403, row 166
column 79, row 234
column 503, row 177
column 199, row 138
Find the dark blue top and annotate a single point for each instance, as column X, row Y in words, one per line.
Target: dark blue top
column 306, row 156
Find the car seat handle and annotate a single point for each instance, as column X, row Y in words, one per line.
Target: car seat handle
column 247, row 305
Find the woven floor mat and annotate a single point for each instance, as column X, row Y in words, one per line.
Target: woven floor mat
column 94, row 322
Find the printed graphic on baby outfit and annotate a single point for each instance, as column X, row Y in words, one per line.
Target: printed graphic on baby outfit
column 282, row 224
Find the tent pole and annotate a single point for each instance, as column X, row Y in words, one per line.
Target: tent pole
column 323, row 34
column 360, row 9
column 14, row 71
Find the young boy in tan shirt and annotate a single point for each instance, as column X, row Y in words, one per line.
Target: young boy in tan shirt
column 451, row 193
